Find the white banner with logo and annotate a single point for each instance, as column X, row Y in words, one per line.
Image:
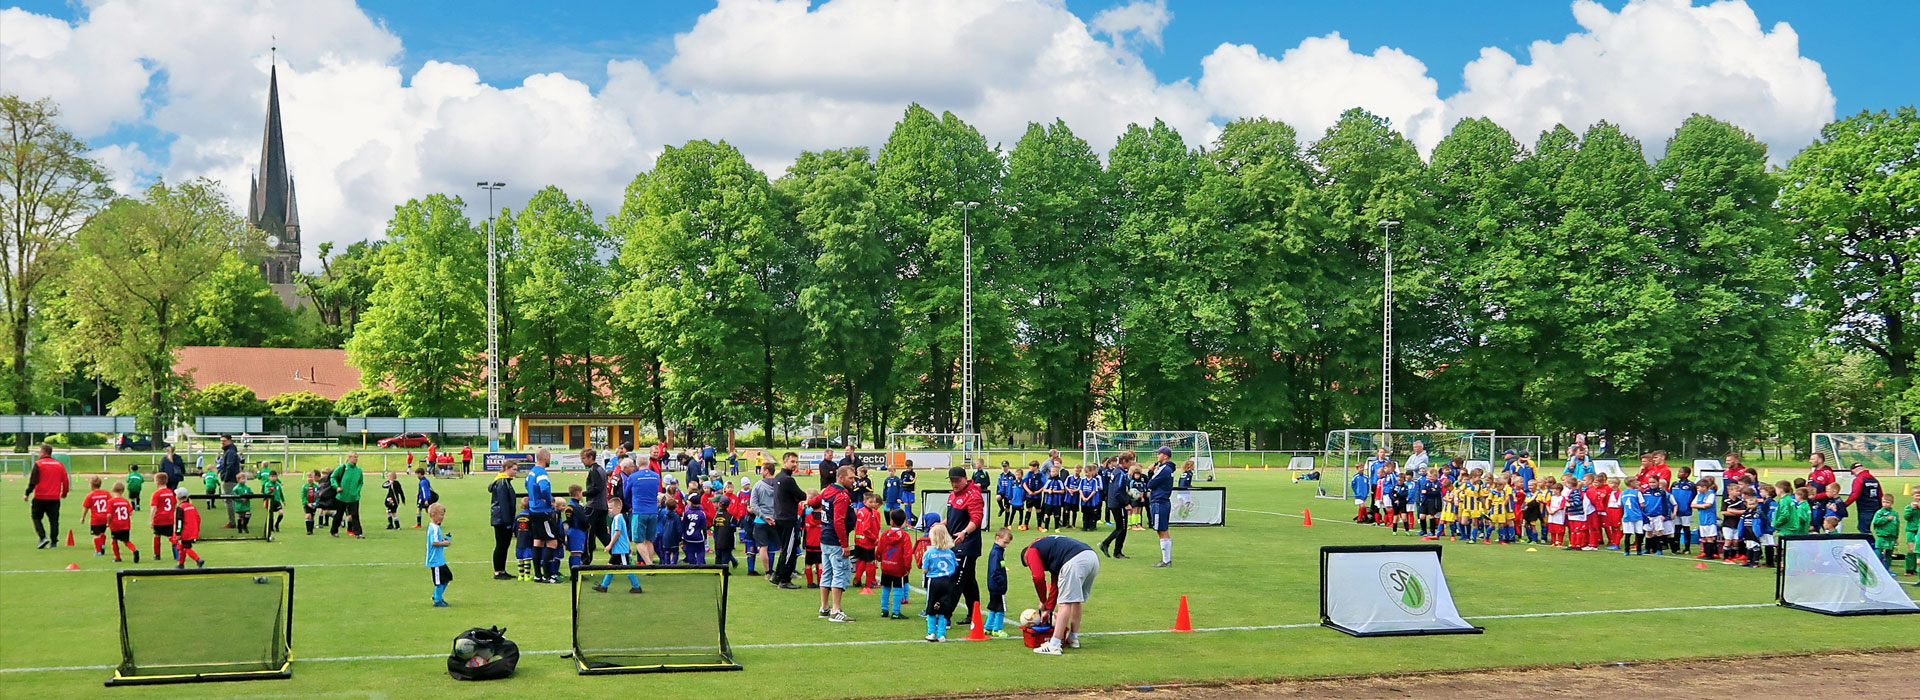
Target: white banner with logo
column 1839, row 576
column 1199, row 506
column 1387, row 590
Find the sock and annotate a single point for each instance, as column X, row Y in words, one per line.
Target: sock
column 941, row 624
column 1166, row 551
column 573, row 560
column 191, row 553
column 439, row 593
column 309, row 526
column 1911, row 565
column 931, row 625
column 525, row 565
column 416, row 519
column 100, row 544
column 156, row 546
column 116, row 550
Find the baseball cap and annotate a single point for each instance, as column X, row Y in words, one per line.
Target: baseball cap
column 1168, row 451
column 1508, row 452
column 957, row 473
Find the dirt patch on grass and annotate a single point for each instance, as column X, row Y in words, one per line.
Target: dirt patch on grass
column 1841, row 675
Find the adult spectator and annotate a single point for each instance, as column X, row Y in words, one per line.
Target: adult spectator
column 641, row 492
column 501, row 514
column 596, row 506
column 47, row 485
column 966, row 513
column 229, row 471
column 836, row 542
column 1522, row 468
column 1160, row 502
column 542, row 522
column 466, row 459
column 829, row 469
column 433, row 458
column 174, row 467
column 760, row 504
column 1865, row 497
column 1114, row 478
column 1819, row 475
column 1062, row 601
column 1417, row 462
column 787, row 497
column 347, row 481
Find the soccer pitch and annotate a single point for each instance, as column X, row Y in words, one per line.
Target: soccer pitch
column 363, row 626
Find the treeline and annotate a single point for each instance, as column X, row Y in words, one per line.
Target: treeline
column 1563, row 285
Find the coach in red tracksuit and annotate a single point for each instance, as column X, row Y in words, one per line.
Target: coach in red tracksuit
column 46, row 486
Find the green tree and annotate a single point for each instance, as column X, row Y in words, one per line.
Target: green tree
column 1849, row 200
column 49, row 186
column 929, row 164
column 701, row 241
column 848, row 298
column 1726, row 259
column 236, row 307
column 224, row 399
column 424, row 332
column 303, row 411
column 1060, row 200
column 1163, row 366
column 339, row 293
column 130, row 290
column 558, row 289
column 364, row 402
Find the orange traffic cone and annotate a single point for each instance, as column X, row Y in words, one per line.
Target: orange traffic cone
column 1700, row 565
column 979, row 631
column 70, row 539
column 1180, row 621
column 1308, row 514
column 73, row 567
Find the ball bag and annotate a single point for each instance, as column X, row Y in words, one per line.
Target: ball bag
column 483, row 655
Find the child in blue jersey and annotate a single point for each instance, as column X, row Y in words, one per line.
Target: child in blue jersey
column 437, row 543
column 1706, row 516
column 1362, row 489
column 1747, row 515
column 1681, row 496
column 1659, row 508
column 1768, row 496
column 523, row 541
column 1398, row 508
column 423, row 495
column 667, row 538
column 939, row 565
column 997, row 584
column 693, row 535
column 1034, row 486
column 890, row 492
column 1056, row 488
column 619, row 549
column 1633, row 522
column 1090, row 488
column 1003, row 491
column 578, row 527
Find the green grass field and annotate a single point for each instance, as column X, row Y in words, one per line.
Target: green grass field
column 364, row 628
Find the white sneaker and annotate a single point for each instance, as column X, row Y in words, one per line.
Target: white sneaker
column 1049, row 647
column 1073, row 641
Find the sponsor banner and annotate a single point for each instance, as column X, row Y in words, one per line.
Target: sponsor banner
column 1387, row 591
column 495, row 461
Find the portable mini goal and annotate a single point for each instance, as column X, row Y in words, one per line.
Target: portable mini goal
column 1096, row 445
column 1349, row 451
column 213, row 517
column 677, row 623
column 1837, row 574
column 168, row 634
column 933, row 450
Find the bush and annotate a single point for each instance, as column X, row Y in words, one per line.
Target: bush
column 225, row 399
column 77, row 439
column 366, row 402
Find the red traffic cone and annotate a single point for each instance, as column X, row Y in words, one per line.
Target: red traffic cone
column 979, row 631
column 1308, row 514
column 70, row 540
column 1181, row 623
column 73, row 567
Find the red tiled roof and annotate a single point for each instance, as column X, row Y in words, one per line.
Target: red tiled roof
column 270, row 372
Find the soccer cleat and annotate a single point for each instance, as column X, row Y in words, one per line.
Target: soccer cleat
column 202, row 563
column 823, row 612
column 599, row 589
column 997, row 634
column 44, row 543
column 99, row 553
column 635, row 589
column 1073, row 641
column 503, row 576
column 441, row 604
column 1162, row 564
column 932, row 638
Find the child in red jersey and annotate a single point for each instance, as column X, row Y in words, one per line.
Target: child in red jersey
column 866, row 539
column 189, row 531
column 895, row 554
column 811, row 527
column 120, row 522
column 95, row 505
column 1606, row 501
column 165, row 504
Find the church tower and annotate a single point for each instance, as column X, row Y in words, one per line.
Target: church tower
column 271, row 207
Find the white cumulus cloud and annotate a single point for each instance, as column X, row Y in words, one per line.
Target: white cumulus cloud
column 1309, row 85
column 1140, row 18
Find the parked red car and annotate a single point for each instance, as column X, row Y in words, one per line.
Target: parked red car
column 408, row 440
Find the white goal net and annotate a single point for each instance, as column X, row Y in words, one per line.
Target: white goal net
column 1096, row 445
column 1884, row 453
column 1349, row 451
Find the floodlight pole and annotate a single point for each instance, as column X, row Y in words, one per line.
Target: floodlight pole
column 966, row 316
column 493, row 322
column 1386, row 330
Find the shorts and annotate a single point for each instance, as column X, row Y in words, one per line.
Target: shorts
column 641, row 526
column 275, row 506
column 839, row 569
column 187, row 544
column 996, row 602
column 1729, row 533
column 617, row 560
column 163, row 531
column 1076, row 577
column 1768, row 539
column 1430, row 507
column 1684, row 520
column 893, row 581
column 441, row 574
column 762, row 534
column 1633, row 527
column 863, row 554
column 813, row 557
column 99, row 529
column 543, row 526
column 1159, row 514
column 1658, row 525
column 906, row 497
column 123, row 536
column 1707, row 530
column 523, row 539
column 524, row 553
column 576, row 540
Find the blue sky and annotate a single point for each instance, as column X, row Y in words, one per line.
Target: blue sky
column 388, row 100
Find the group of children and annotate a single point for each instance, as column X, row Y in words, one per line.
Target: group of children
column 175, row 519
column 424, row 498
column 1065, row 498
column 1658, row 510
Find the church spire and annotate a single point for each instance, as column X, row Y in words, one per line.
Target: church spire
column 272, row 208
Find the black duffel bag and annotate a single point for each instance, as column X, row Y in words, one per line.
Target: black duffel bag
column 483, row 655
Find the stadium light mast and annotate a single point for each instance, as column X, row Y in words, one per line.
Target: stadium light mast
column 493, row 322
column 1386, row 330
column 966, row 316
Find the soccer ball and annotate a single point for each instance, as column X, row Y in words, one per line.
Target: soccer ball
column 259, row 579
column 464, row 648
column 478, row 661
column 1028, row 617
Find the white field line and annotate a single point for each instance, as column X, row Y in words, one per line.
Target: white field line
column 879, row 642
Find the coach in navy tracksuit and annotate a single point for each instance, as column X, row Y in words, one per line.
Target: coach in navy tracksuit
column 1160, row 503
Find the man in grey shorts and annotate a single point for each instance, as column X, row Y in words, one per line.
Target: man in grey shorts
column 1074, row 567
